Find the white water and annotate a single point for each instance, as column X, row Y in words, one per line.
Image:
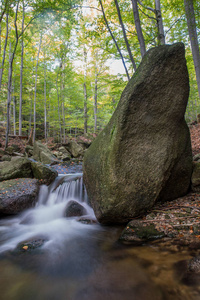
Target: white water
column 47, row 220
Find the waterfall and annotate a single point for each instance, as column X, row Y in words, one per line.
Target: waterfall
column 48, row 219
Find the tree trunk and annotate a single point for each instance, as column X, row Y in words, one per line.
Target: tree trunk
column 11, row 59
column 95, row 98
column 114, row 40
column 4, row 51
column 62, row 97
column 125, row 36
column 85, row 91
column 45, row 99
column 34, row 110
column 9, row 96
column 161, row 34
column 14, row 109
column 21, row 76
column 58, row 98
column 138, row 28
column 190, row 15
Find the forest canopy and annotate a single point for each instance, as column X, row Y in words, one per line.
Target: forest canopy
column 64, row 64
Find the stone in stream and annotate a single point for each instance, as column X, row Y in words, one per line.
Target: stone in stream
column 75, row 209
column 144, row 153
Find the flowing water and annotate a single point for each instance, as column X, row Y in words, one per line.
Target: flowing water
column 74, row 260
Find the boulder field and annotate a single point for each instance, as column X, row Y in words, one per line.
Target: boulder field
column 144, row 153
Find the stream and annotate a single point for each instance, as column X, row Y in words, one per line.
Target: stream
column 45, row 255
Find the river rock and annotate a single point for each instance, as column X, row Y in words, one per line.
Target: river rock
column 75, row 149
column 16, row 195
column 137, row 232
column 144, row 153
column 42, row 154
column 44, row 173
column 75, row 209
column 18, row 167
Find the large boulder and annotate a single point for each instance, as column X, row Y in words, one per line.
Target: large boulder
column 144, row 153
column 18, row 167
column 17, row 195
column 44, row 173
column 43, row 154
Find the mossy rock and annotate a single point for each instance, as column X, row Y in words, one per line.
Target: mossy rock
column 144, row 153
column 138, row 232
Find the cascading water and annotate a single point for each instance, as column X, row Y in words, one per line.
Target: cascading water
column 47, row 220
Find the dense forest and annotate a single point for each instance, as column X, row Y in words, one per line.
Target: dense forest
column 64, row 64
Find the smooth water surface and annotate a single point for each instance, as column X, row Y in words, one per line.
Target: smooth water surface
column 81, row 261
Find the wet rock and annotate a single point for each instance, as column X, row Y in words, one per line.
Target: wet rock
column 18, row 167
column 16, row 195
column 87, row 221
column 75, row 209
column 40, row 171
column 144, row 153
column 30, row 245
column 42, row 154
column 137, row 232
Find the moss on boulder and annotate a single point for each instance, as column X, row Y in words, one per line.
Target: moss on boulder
column 144, row 153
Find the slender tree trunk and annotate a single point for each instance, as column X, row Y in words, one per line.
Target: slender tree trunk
column 4, row 51
column 45, row 99
column 58, row 98
column 95, row 96
column 191, row 23
column 161, row 34
column 62, row 97
column 125, row 36
column 11, row 59
column 114, row 40
column 35, row 92
column 21, row 76
column 14, row 109
column 85, row 91
column 9, row 96
column 138, row 28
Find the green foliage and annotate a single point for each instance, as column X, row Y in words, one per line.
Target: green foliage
column 68, row 32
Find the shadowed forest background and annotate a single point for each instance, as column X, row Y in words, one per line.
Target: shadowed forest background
column 64, row 64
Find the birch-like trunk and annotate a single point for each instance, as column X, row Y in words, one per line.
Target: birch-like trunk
column 14, row 109
column 95, row 97
column 45, row 99
column 9, row 96
column 11, row 59
column 35, row 91
column 85, row 91
column 138, row 28
column 4, row 51
column 58, row 101
column 125, row 36
column 191, row 23
column 114, row 40
column 21, row 75
column 160, row 28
